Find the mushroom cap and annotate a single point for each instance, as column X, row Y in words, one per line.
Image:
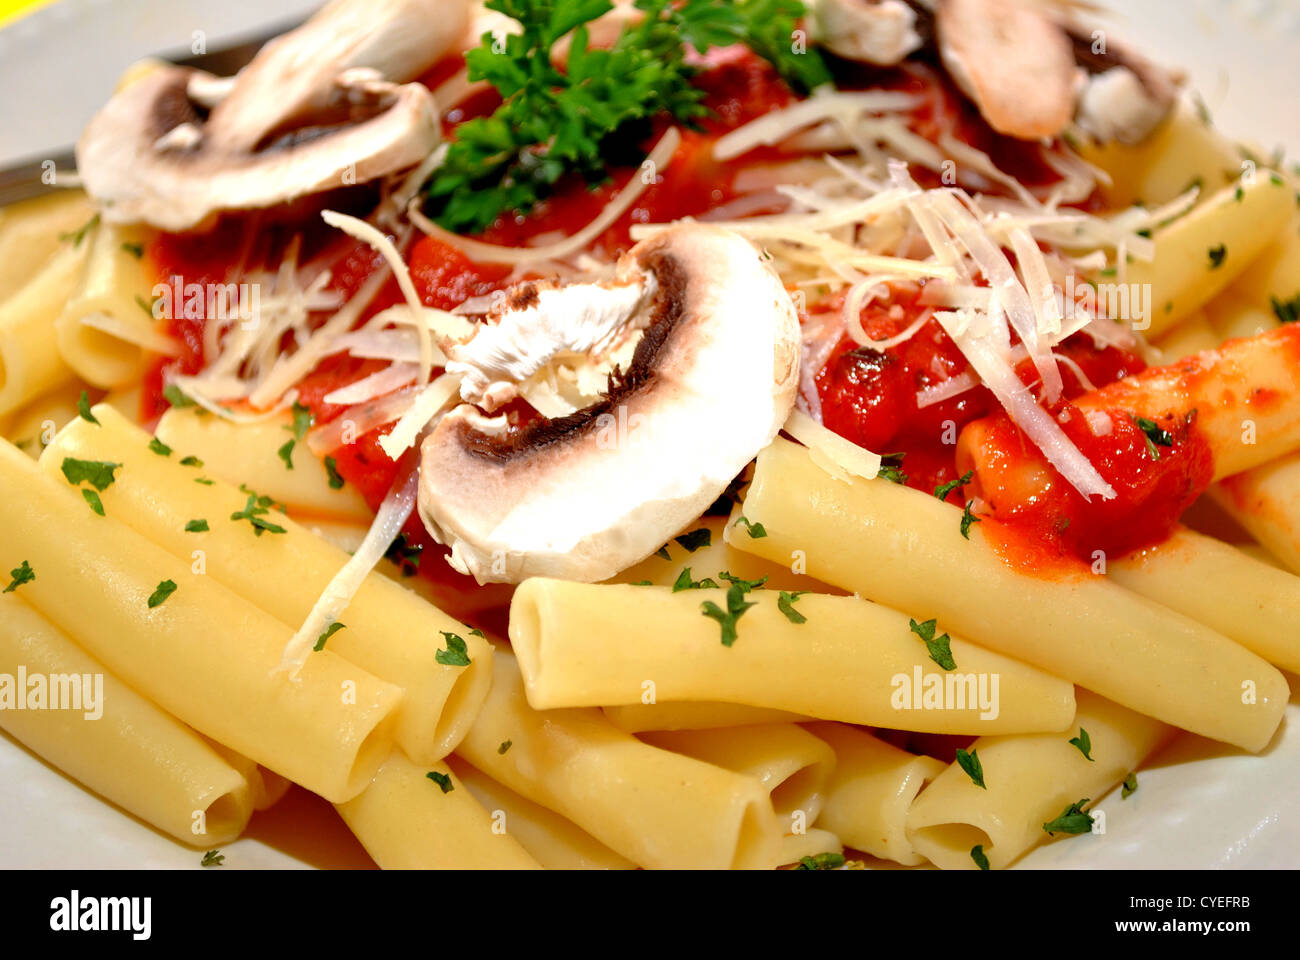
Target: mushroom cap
column 584, row 496
column 1013, row 59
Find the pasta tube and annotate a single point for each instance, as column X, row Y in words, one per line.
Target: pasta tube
column 33, row 427
column 851, row 660
column 390, row 632
column 796, row 846
column 120, row 745
column 31, row 231
column 1029, row 781
column 657, row 808
column 413, row 818
column 871, row 790
column 30, row 363
column 1266, row 501
column 904, row 548
column 692, row 715
column 200, row 652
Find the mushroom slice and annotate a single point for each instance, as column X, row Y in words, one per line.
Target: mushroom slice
column 882, row 32
column 1013, row 60
column 582, row 497
column 1125, row 96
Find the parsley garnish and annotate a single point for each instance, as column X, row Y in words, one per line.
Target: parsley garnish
column 785, row 603
column 204, row 480
column 160, row 448
column 663, row 554
column 736, row 606
column 76, row 236
column 1287, row 311
column 1084, row 743
column 135, row 249
column 196, row 526
column 145, row 305
column 1217, row 255
column 405, row 554
column 302, row 421
column 161, row 593
column 692, row 541
column 1129, row 786
column 1154, row 435
column 254, row 509
column 173, row 395
column 191, row 462
column 442, row 780
column 1073, row 819
column 943, row 490
column 823, row 861
column 456, row 654
column 977, row 854
column 92, row 498
column 505, row 745
column 684, row 582
column 98, row 473
column 23, row 573
column 213, row 858
column 559, row 120
column 332, row 629
column 891, row 468
column 967, row 518
column 939, row 647
column 332, row 469
column 83, row 409
column 970, row 762
column 756, row 530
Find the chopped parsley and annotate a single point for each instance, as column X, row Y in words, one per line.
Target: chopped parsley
column 1217, row 255
column 684, row 582
column 160, row 448
column 785, row 603
column 970, row 762
column 1073, row 820
column 92, row 498
column 456, row 654
column 442, row 780
column 303, row 418
column 76, row 236
column 736, row 606
column 1129, row 787
column 83, row 409
column 23, row 573
column 285, row 453
column 196, row 526
column 940, row 647
column 756, row 531
column 1287, row 311
column 505, row 745
column 97, row 473
column 161, row 593
column 204, row 480
column 135, row 249
column 145, row 305
column 943, row 490
column 173, row 395
column 977, row 854
column 213, row 858
column 332, row 470
column 967, row 518
column 891, row 468
column 1154, row 435
column 1084, row 744
column 696, row 539
column 823, row 861
column 405, row 555
column 663, row 554
column 254, row 510
column 191, row 461
column 332, row 629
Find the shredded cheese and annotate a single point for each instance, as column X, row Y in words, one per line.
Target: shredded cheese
column 841, row 458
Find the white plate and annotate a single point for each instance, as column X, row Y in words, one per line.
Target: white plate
column 1199, row 805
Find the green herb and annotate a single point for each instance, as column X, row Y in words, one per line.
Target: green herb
column 23, row 573
column 736, row 606
column 1084, row 743
column 76, row 236
column 1154, row 435
column 560, row 120
column 692, row 541
column 1239, row 194
column 1073, row 819
column 332, row 629
column 505, row 745
column 641, row 583
column 785, row 603
column 943, row 490
column 970, row 762
column 98, row 473
column 204, row 480
column 83, row 409
column 1202, row 111
column 191, row 462
column 663, row 554
column 756, row 531
column 285, row 453
column 684, row 582
column 92, row 498
column 135, row 249
column 212, row 858
column 160, row 448
column 163, row 591
column 303, row 418
column 977, row 854
column 145, row 305
column 456, row 654
column 1129, row 787
column 442, row 780
column 332, row 469
column 891, row 468
column 173, row 395
column 196, row 526
column 1145, row 232
column 940, row 647
column 1274, row 179
column 254, row 510
column 476, row 632
column 967, row 518
column 823, row 861
column 1217, row 255
column 1287, row 311
column 405, row 554
column 747, row 585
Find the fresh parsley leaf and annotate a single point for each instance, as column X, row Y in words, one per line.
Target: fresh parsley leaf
column 76, row 236
column 332, row 629
column 476, row 632
column 204, row 480
column 98, row 473
column 135, row 249
column 1129, row 786
column 823, row 861
column 1073, row 819
column 83, row 409
column 1084, row 743
column 160, row 448
column 943, row 490
column 785, row 603
column 747, row 585
column 505, row 745
column 756, row 530
column 23, row 573
column 145, row 305
column 213, row 858
column 684, row 582
column 255, row 508
column 442, row 780
column 161, row 593
column 977, row 854
column 92, row 498
column 285, row 453
column 1217, row 256
column 303, row 418
column 891, row 468
column 727, row 619
column 970, row 762
column 191, row 461
column 939, row 647
column 196, row 526
column 456, row 654
column 1287, row 311
column 967, row 518
column 1154, row 435
column 692, row 541
column 173, row 395
column 332, row 469
column 405, row 554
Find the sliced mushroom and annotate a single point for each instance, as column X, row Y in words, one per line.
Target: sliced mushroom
column 582, row 497
column 883, row 32
column 317, row 108
column 1125, row 96
column 1013, row 60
